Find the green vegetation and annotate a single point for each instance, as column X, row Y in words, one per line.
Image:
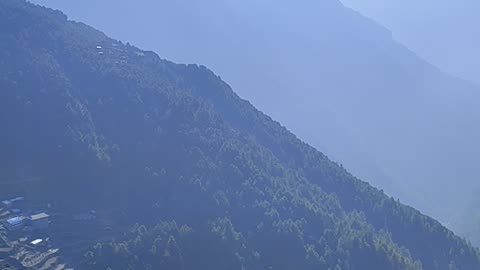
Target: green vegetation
column 218, row 184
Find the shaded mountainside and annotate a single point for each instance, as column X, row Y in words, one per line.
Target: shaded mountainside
column 218, row 184
column 336, row 79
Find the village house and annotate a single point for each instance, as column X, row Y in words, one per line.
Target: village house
column 40, row 221
column 14, row 223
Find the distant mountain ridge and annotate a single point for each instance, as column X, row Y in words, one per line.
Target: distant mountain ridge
column 442, row 32
column 218, row 184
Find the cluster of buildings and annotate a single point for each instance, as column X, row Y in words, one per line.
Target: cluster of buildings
column 29, row 239
column 16, row 220
column 118, row 52
column 24, row 241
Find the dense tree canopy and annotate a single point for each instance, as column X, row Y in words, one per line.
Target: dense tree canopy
column 216, row 183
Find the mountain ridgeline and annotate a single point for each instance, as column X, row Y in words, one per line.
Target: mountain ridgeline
column 216, row 183
column 445, row 34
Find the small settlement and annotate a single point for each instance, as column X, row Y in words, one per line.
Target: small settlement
column 24, row 238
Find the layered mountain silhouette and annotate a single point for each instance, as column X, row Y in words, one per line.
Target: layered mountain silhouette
column 216, row 183
column 445, row 33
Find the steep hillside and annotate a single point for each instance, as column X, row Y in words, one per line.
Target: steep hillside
column 218, row 184
column 336, row 79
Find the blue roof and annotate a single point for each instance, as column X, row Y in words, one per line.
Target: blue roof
column 14, row 221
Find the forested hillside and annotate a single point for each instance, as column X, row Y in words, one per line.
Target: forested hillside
column 335, row 78
column 216, row 183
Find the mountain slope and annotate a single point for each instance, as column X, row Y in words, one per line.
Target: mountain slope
column 335, row 78
column 217, row 183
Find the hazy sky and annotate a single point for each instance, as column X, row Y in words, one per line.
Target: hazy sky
column 444, row 32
